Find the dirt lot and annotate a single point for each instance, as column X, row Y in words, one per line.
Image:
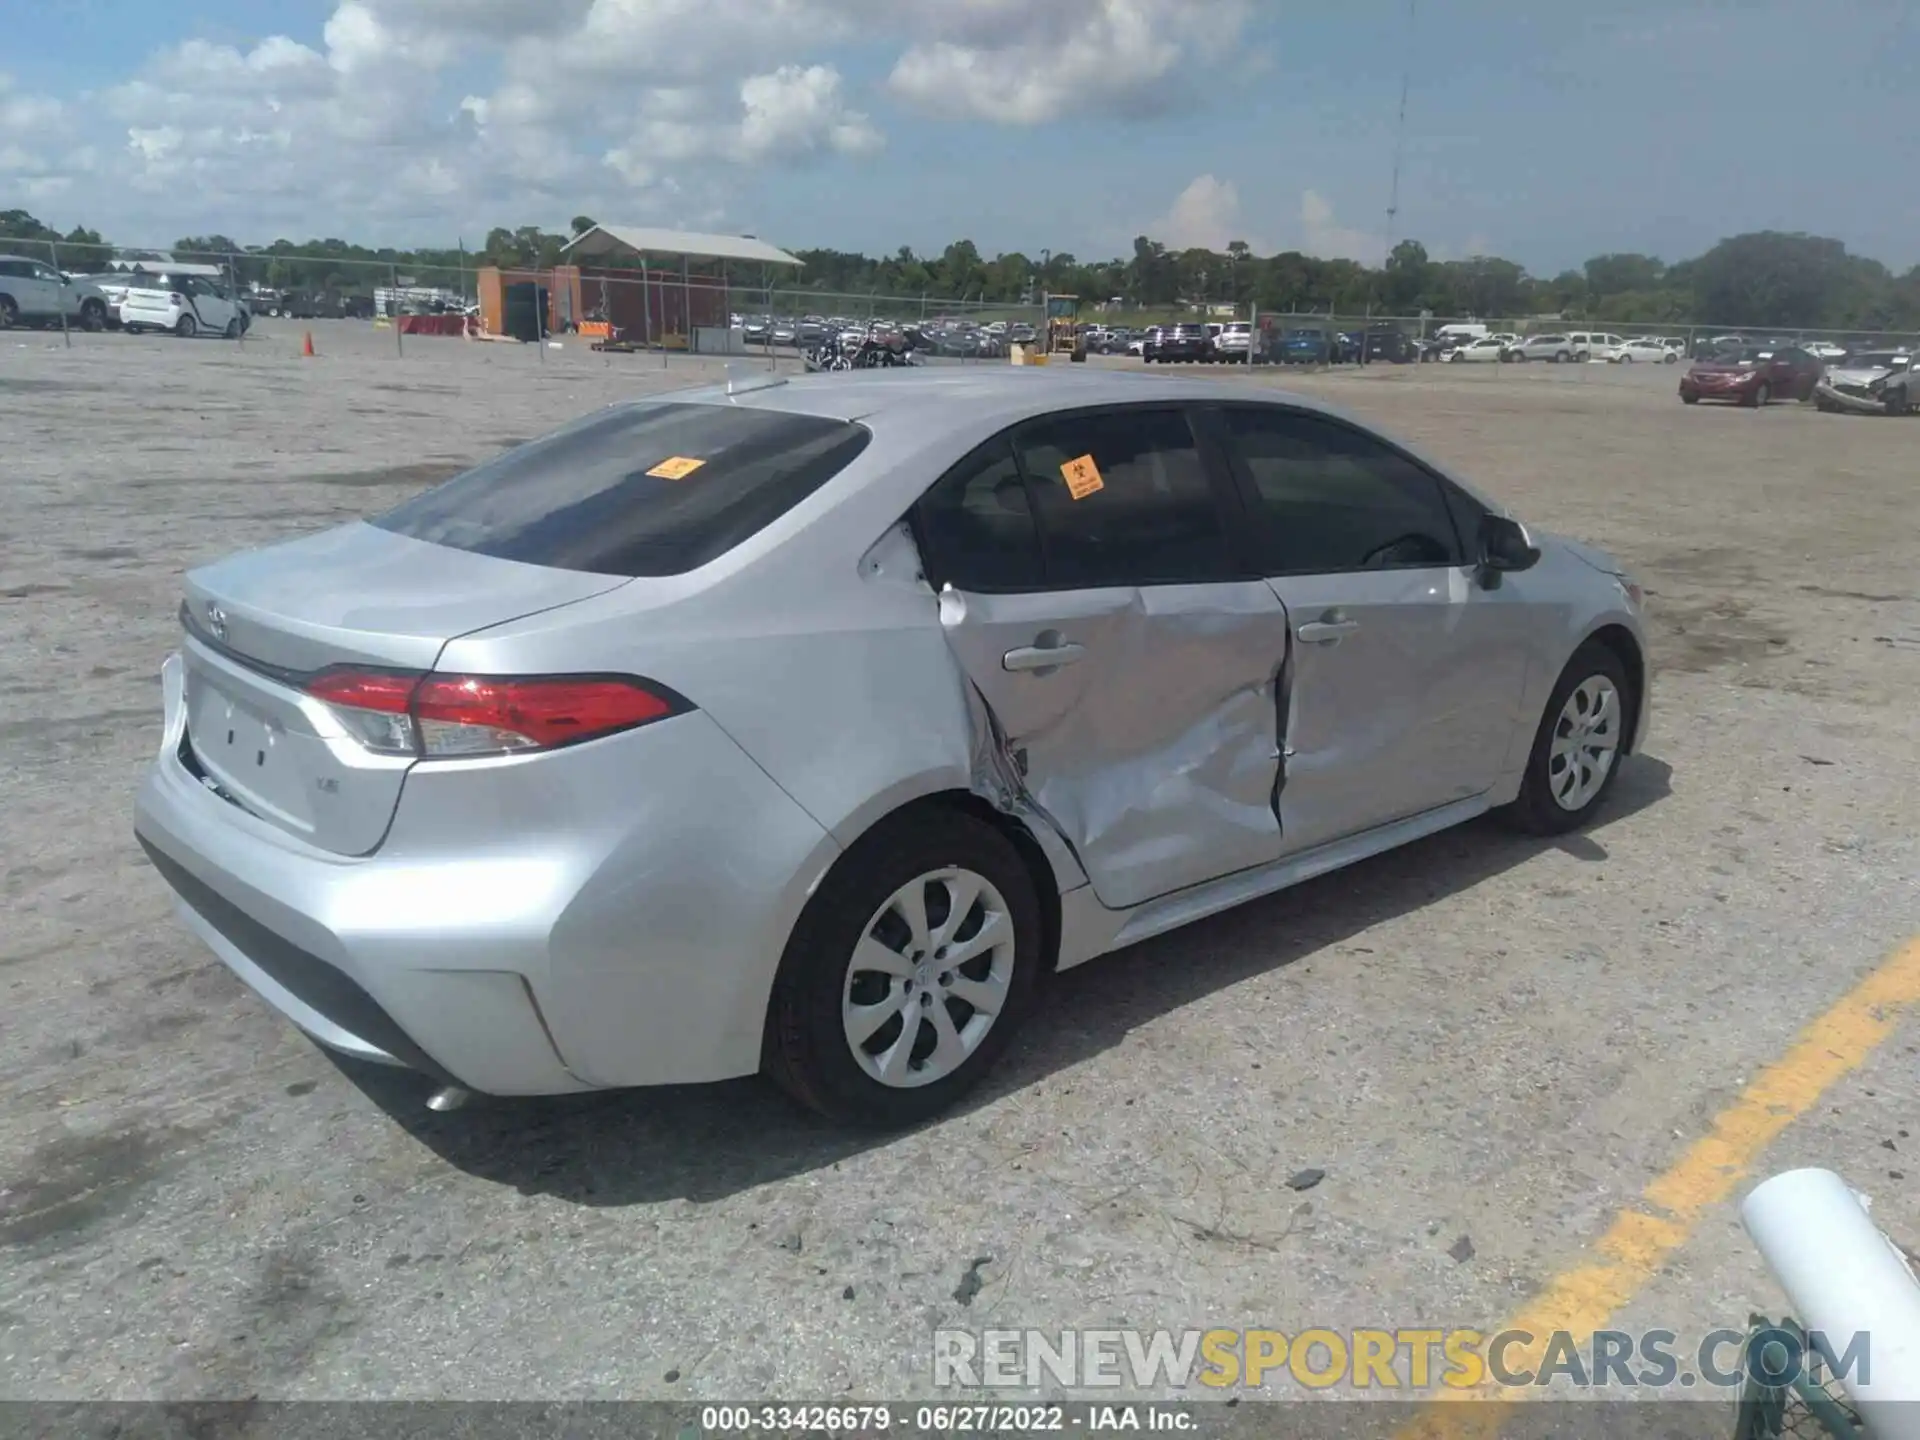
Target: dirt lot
column 1480, row 1036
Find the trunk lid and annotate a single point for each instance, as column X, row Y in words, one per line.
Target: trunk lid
column 259, row 623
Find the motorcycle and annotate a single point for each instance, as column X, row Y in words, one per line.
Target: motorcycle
column 860, row 350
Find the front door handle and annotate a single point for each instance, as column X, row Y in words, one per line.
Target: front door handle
column 1326, row 632
column 1031, row 658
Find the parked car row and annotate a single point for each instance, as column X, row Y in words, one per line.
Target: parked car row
column 32, row 292
column 954, row 338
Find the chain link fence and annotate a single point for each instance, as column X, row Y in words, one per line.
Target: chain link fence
column 665, row 309
column 715, row 309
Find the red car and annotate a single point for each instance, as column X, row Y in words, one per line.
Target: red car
column 1752, row 376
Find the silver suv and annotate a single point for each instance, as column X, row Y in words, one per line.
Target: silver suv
column 32, row 292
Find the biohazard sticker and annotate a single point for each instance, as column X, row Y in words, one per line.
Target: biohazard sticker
column 1082, row 477
column 676, row 468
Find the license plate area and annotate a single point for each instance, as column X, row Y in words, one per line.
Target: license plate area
column 246, row 750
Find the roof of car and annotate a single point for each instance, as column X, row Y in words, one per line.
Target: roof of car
column 937, row 398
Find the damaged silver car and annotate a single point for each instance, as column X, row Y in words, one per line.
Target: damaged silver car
column 1871, row 382
column 802, row 727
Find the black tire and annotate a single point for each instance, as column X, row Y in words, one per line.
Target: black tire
column 1668, row 358
column 233, row 328
column 187, row 327
column 9, row 313
column 806, row 1050
column 1897, row 402
column 1563, row 357
column 93, row 315
column 1535, row 811
column 1689, row 399
column 1762, row 393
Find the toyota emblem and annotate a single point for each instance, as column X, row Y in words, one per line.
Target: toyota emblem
column 217, row 622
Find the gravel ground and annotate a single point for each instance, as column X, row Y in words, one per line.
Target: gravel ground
column 1479, row 1036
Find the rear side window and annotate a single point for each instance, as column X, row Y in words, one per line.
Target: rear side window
column 650, row 489
column 976, row 527
column 1123, row 498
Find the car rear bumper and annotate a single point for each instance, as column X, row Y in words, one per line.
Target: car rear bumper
column 607, row 915
column 163, row 317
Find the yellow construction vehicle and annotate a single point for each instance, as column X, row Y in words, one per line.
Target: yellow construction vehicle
column 1063, row 328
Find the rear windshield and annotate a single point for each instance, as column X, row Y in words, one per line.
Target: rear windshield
column 650, row 489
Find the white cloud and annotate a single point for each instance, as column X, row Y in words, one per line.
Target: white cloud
column 391, row 113
column 1204, row 216
column 1321, row 235
column 1025, row 62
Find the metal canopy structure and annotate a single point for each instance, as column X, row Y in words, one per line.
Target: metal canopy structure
column 637, row 242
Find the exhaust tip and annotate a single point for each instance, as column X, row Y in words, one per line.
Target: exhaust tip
column 448, row 1098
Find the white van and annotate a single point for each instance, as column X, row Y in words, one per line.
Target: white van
column 1461, row 333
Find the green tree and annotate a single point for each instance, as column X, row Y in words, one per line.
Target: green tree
column 1770, row 279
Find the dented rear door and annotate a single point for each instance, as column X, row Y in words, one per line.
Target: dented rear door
column 1129, row 670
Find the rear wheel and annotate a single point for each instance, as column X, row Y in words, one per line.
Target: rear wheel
column 1562, row 357
column 187, row 328
column 9, row 313
column 1576, row 752
column 93, row 315
column 907, row 973
column 232, row 331
column 1897, row 402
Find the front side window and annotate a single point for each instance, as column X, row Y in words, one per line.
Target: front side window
column 1123, row 498
column 1330, row 499
column 644, row 489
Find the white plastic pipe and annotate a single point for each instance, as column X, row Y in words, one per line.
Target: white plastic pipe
column 1844, row 1277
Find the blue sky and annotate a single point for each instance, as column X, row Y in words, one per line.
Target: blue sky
column 1544, row 132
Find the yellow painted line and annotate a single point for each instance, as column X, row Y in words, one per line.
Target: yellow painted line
column 1637, row 1244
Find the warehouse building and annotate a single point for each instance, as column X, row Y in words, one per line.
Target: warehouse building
column 671, row 288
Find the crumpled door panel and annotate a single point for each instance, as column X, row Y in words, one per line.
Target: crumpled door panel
column 1155, row 753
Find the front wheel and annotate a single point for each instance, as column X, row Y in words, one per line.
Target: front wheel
column 93, row 316
column 1689, row 399
column 1564, row 357
column 1576, row 752
column 1668, row 358
column 9, row 312
column 1761, row 395
column 233, row 329
column 908, row 972
column 1897, row 402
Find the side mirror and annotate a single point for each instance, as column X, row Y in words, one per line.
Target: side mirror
column 1504, row 546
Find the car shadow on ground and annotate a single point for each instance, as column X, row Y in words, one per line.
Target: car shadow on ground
column 706, row 1142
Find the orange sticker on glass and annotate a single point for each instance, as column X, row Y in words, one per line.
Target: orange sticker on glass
column 676, row 468
column 1082, row 477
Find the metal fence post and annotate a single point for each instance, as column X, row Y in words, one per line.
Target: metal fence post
column 393, row 308
column 66, row 334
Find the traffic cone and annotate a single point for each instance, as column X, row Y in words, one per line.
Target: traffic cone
column 306, row 347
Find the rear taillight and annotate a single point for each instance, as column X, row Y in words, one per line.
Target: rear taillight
column 177, row 299
column 448, row 716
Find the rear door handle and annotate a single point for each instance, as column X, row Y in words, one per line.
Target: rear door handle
column 1042, row 657
column 1326, row 632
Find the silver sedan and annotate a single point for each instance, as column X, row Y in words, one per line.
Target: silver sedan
column 802, row 726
